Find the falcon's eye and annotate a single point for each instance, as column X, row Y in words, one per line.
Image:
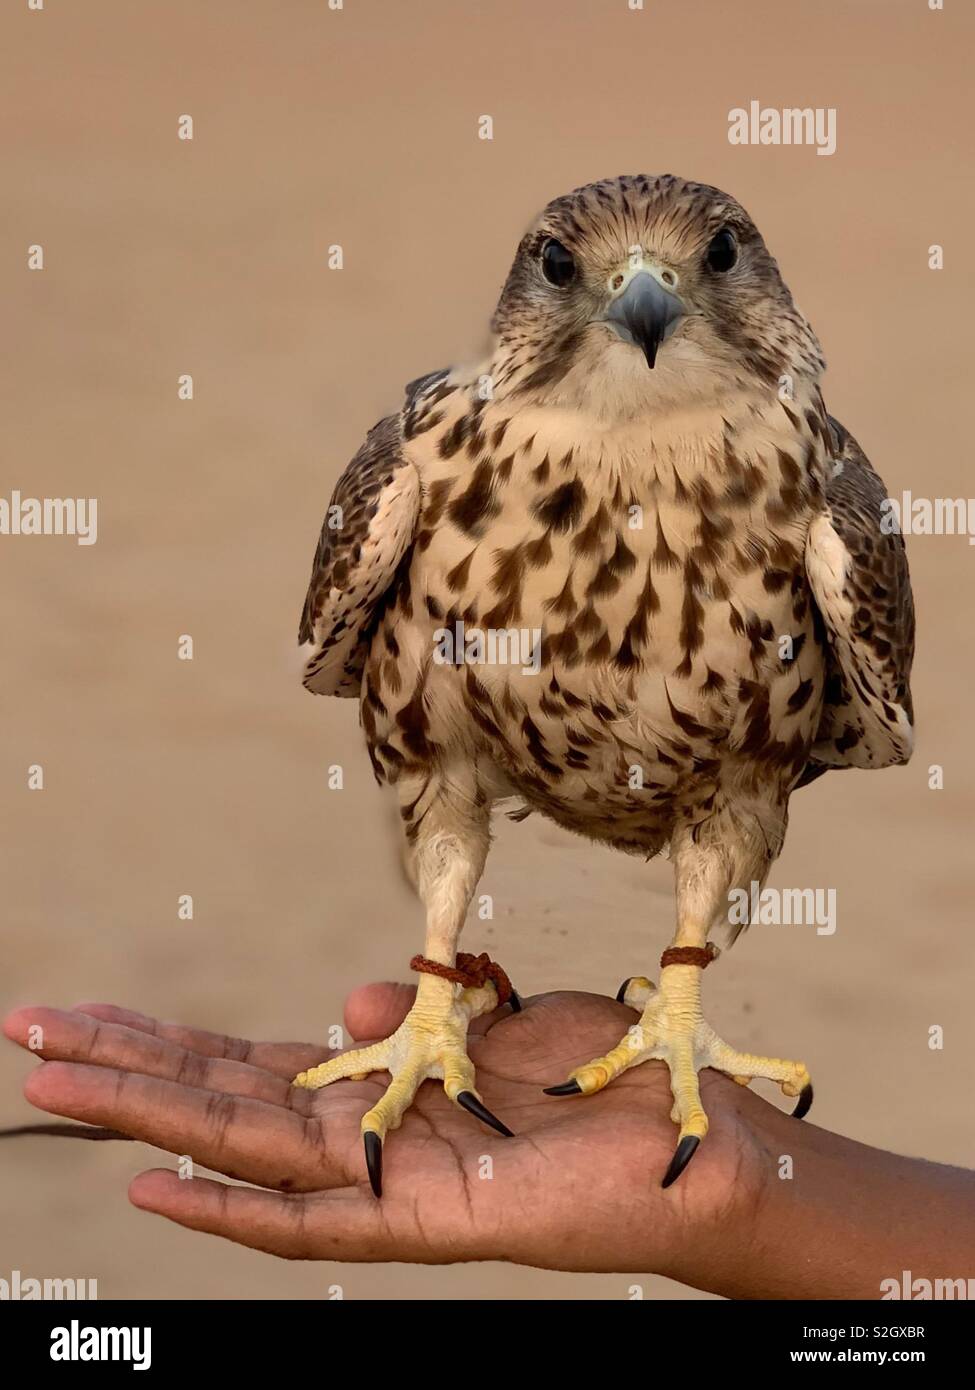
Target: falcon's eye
column 722, row 252
column 558, row 267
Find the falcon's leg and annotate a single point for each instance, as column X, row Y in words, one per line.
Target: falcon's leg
column 671, row 1026
column 448, row 823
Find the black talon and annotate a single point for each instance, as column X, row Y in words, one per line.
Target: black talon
column 471, row 1103
column 515, row 1002
column 682, row 1157
column 374, row 1160
column 805, row 1102
column 567, row 1088
column 621, row 992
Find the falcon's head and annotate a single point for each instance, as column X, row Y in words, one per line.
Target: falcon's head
column 642, row 289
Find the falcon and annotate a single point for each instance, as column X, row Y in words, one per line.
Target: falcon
column 643, row 474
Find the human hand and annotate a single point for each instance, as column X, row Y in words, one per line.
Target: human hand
column 578, row 1188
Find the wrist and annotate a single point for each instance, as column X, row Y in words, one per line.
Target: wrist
column 833, row 1219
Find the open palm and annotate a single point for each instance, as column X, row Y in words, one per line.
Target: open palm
column 577, row 1188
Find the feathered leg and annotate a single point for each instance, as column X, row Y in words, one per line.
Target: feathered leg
column 446, row 821
column 672, row 1028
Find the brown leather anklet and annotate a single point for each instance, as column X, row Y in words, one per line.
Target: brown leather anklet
column 470, row 971
column 689, row 955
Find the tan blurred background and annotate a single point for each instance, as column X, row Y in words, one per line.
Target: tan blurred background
column 209, row 257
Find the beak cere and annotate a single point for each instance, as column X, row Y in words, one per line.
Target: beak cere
column 645, row 314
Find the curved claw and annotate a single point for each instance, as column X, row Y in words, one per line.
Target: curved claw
column 374, row 1160
column 805, row 1102
column 515, row 1002
column 566, row 1088
column 476, row 1107
column 685, row 1151
column 621, row 992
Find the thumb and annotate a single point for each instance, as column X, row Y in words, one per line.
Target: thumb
column 375, row 1011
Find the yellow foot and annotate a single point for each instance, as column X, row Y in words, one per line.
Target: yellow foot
column 431, row 1042
column 672, row 1030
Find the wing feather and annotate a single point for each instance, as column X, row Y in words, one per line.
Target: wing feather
column 858, row 574
column 367, row 532
column 366, row 540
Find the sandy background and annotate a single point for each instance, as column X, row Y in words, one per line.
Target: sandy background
column 208, row 777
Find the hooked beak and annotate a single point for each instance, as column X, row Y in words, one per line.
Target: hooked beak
column 645, row 314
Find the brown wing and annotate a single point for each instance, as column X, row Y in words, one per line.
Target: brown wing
column 367, row 531
column 366, row 536
column 857, row 570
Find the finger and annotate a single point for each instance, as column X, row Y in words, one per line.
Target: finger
column 236, row 1135
column 283, row 1059
column 375, row 1011
column 78, row 1037
column 346, row 1224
